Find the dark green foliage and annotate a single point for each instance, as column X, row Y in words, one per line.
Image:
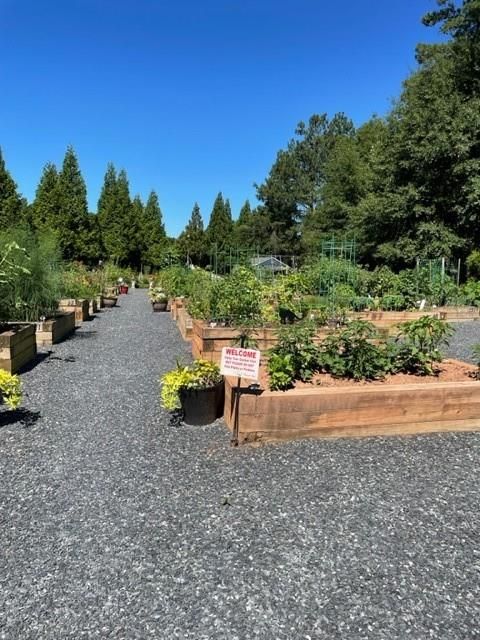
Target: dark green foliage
column 295, row 343
column 46, row 206
column 71, row 221
column 473, row 265
column 12, row 205
column 418, row 345
column 220, row 227
column 349, row 353
column 154, row 239
column 192, row 241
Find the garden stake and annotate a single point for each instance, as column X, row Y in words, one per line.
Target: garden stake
column 234, row 440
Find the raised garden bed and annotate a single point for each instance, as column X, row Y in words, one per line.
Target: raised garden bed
column 176, row 304
column 185, row 324
column 79, row 307
column 392, row 318
column 92, row 306
column 208, row 341
column 18, row 346
column 55, row 329
column 402, row 406
column 100, row 304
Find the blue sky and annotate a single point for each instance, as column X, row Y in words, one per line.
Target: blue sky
column 191, row 97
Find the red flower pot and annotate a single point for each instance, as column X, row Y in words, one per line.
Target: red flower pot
column 123, row 288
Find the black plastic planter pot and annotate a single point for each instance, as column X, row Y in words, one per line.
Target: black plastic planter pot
column 202, row 406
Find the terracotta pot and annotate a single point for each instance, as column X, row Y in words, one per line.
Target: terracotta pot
column 123, row 288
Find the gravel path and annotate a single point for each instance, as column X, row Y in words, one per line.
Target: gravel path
column 116, row 525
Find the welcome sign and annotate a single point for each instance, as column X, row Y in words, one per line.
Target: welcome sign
column 243, row 363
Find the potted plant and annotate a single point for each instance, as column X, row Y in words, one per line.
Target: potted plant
column 109, row 299
column 10, row 389
column 158, row 298
column 197, row 390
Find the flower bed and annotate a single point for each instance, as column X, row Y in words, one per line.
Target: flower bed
column 401, row 406
column 17, row 346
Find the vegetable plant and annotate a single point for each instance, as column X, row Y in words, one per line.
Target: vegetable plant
column 418, row 345
column 350, row 353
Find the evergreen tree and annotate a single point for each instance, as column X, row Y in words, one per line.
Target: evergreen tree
column 137, row 247
column 71, row 221
column 243, row 227
column 46, row 206
column 12, row 205
column 154, row 239
column 220, row 227
column 106, row 212
column 126, row 222
column 191, row 242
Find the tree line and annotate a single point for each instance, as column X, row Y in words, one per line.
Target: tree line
column 405, row 186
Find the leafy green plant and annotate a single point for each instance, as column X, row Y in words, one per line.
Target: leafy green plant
column 418, row 345
column 281, row 371
column 201, row 374
column 294, row 357
column 10, row 389
column 33, row 289
column 350, row 353
column 156, row 294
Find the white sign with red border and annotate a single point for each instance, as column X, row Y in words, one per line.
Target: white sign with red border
column 240, row 362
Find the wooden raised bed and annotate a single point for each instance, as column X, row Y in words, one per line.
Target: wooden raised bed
column 175, row 305
column 100, row 304
column 392, row 318
column 79, row 307
column 17, row 346
column 92, row 306
column 185, row 323
column 348, row 411
column 208, row 342
column 53, row 330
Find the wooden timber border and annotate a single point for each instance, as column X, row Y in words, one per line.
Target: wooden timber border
column 17, row 347
column 355, row 411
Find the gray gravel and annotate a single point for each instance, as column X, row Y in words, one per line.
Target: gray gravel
column 115, row 524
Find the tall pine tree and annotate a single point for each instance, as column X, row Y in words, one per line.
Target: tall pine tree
column 72, row 220
column 191, row 241
column 114, row 209
column 154, row 238
column 12, row 205
column 220, row 227
column 46, row 206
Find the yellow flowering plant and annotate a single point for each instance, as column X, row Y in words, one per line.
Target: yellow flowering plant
column 10, row 389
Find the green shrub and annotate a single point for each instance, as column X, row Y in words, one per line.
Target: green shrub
column 418, row 345
column 33, row 289
column 473, row 265
column 294, row 357
column 349, row 353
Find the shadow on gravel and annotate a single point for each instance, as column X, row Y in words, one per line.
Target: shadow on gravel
column 40, row 357
column 25, row 417
column 66, row 359
column 88, row 334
